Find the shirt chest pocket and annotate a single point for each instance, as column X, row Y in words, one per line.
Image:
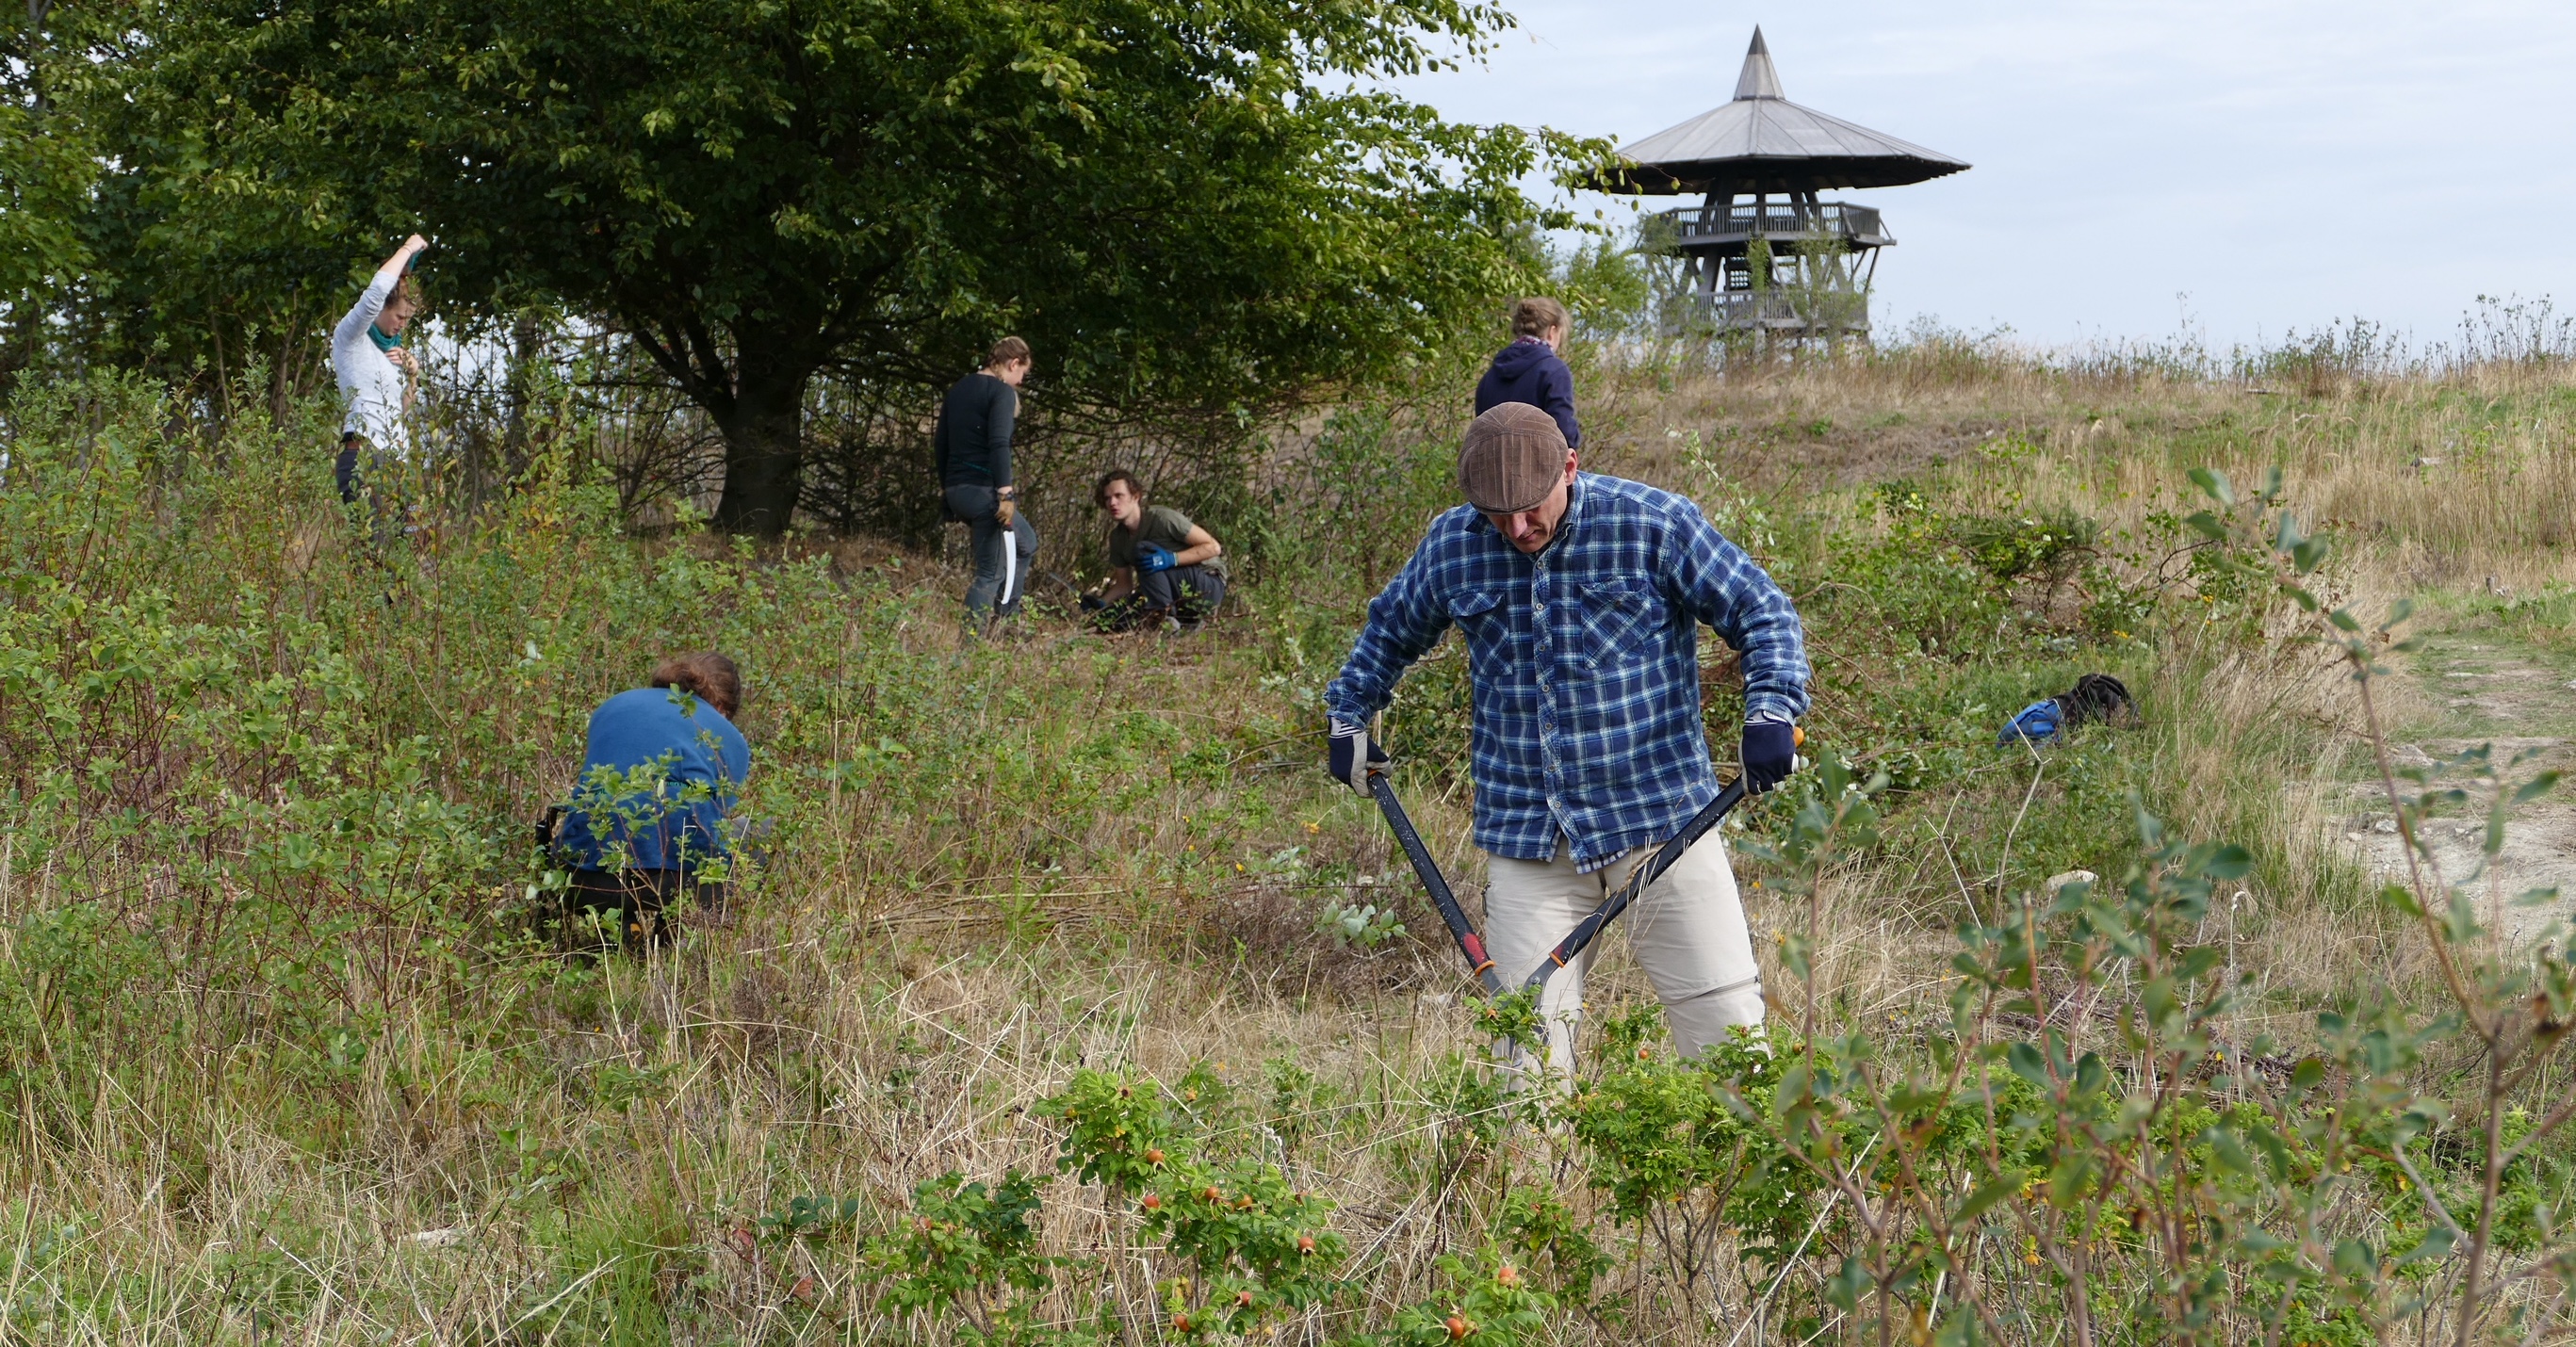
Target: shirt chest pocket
column 1621, row 617
column 1475, row 609
column 1483, row 618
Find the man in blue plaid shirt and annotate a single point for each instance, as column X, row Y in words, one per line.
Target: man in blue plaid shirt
column 1579, row 597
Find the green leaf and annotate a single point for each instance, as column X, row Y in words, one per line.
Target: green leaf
column 1794, row 952
column 2229, row 1151
column 1844, row 1289
column 2069, row 1179
column 2436, row 1243
column 2228, row 861
column 2027, row 1063
column 2214, row 484
column 2276, row 1153
column 1989, row 1193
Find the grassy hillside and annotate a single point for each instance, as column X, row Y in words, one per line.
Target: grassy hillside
column 291, row 1053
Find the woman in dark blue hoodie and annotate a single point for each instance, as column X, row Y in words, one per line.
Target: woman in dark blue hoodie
column 1529, row 370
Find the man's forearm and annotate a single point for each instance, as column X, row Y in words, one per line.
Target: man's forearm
column 1404, row 621
column 1191, row 556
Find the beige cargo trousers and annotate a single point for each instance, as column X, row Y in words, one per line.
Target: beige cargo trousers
column 1687, row 929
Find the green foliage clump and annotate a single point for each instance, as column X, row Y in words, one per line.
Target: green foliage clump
column 970, row 1253
column 1490, row 1305
column 1256, row 1247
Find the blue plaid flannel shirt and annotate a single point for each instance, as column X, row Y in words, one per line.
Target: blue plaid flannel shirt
column 1585, row 662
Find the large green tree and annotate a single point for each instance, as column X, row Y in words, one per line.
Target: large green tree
column 48, row 170
column 1197, row 206
column 173, row 197
column 1188, row 207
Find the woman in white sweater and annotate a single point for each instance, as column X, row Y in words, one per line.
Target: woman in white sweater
column 378, row 375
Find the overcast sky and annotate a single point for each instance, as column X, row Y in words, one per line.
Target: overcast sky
column 2284, row 163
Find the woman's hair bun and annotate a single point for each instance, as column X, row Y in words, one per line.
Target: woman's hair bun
column 706, row 675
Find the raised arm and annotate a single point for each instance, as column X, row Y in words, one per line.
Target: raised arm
column 371, row 301
column 1718, row 584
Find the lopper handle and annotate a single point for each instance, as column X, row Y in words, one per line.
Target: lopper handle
column 1437, row 884
column 1650, row 870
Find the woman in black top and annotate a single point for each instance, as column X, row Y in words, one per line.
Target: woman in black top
column 972, row 448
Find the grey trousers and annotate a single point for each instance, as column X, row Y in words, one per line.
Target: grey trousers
column 1195, row 592
column 1687, row 929
column 1000, row 580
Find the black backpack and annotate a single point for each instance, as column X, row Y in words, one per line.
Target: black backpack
column 2097, row 697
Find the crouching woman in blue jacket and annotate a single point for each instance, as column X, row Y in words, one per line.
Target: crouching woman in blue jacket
column 647, row 823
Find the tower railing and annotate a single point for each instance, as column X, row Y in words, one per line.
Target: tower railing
column 1795, row 220
column 1779, row 310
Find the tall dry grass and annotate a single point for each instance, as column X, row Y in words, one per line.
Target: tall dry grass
column 1007, row 863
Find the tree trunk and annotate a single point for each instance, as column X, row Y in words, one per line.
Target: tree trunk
column 525, row 352
column 764, row 449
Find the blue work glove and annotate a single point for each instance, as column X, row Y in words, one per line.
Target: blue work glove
column 1770, row 754
column 1353, row 754
column 1153, row 557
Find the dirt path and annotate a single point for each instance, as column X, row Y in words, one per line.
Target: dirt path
column 2484, row 689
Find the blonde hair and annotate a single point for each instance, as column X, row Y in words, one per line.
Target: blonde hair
column 1537, row 316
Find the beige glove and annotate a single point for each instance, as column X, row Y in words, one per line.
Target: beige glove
column 1008, row 512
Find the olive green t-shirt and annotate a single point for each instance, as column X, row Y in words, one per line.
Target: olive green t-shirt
column 1163, row 525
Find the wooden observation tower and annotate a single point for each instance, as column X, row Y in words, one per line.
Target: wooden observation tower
column 1761, row 253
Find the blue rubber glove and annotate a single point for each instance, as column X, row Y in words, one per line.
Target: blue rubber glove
column 1770, row 753
column 1153, row 557
column 1353, row 754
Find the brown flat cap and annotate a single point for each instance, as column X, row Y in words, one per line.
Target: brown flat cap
column 1514, row 456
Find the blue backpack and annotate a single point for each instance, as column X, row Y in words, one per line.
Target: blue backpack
column 2040, row 723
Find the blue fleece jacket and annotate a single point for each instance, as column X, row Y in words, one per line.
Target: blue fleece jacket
column 1529, row 371
column 661, row 773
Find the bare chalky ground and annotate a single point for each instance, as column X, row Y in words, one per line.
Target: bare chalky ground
column 2507, row 697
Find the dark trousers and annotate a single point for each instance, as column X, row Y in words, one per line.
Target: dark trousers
column 387, row 488
column 996, row 589
column 1191, row 592
column 1188, row 594
column 345, row 470
column 638, row 898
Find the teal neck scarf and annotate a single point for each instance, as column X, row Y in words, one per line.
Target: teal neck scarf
column 383, row 342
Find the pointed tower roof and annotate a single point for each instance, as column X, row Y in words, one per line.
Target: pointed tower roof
column 1762, row 142
column 1759, row 80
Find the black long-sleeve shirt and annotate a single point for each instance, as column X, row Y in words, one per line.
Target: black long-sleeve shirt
column 972, row 446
